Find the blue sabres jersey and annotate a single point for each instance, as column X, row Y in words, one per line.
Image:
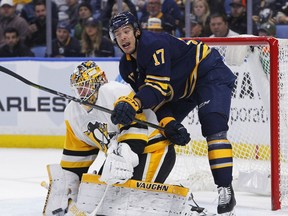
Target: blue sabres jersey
column 166, row 68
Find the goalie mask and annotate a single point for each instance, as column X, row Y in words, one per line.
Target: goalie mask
column 86, row 80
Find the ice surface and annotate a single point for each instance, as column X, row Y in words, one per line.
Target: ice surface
column 22, row 171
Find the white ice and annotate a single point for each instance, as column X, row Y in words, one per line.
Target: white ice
column 22, row 171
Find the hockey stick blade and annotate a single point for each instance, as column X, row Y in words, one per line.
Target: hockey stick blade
column 94, row 106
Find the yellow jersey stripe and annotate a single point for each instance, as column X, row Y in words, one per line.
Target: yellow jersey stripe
column 158, row 78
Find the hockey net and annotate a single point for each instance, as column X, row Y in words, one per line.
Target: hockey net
column 258, row 122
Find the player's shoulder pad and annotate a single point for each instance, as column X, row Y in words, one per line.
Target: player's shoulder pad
column 151, row 41
column 114, row 88
column 71, row 109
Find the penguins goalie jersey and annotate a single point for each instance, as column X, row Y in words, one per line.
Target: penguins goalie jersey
column 87, row 132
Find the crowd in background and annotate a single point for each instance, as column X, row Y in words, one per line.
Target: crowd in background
column 80, row 28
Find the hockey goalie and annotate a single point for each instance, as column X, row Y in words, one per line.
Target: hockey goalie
column 130, row 163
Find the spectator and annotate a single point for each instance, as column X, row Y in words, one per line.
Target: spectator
column 115, row 8
column 264, row 11
column 154, row 10
column 65, row 45
column 84, row 12
column 107, row 12
column 28, row 11
column 282, row 15
column 201, row 12
column 97, row 8
column 93, row 43
column 38, row 27
column 20, row 4
column 105, row 22
column 172, row 8
column 72, row 12
column 141, row 8
column 13, row 46
column 62, row 8
column 217, row 6
column 154, row 25
column 237, row 20
column 196, row 28
column 260, row 12
column 8, row 18
column 219, row 26
column 267, row 29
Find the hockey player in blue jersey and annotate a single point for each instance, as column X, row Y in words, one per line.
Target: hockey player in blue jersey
column 172, row 77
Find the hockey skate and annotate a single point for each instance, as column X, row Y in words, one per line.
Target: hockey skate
column 226, row 201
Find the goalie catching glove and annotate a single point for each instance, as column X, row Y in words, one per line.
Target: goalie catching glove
column 119, row 165
column 174, row 131
column 124, row 111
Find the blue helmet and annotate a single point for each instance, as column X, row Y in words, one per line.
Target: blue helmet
column 120, row 20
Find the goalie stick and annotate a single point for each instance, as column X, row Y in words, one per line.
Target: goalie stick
column 69, row 97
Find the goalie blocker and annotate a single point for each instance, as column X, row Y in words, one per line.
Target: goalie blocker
column 133, row 198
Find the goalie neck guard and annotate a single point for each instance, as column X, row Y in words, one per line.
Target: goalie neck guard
column 86, row 80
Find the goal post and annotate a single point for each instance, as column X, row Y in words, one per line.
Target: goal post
column 258, row 121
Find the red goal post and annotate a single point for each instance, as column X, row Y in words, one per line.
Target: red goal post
column 261, row 66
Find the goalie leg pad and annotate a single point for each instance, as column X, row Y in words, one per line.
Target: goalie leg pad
column 63, row 185
column 134, row 198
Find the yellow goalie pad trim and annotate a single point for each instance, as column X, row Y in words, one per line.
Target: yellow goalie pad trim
column 49, row 190
column 140, row 185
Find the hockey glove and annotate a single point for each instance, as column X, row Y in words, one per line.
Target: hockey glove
column 124, row 111
column 119, row 165
column 174, row 131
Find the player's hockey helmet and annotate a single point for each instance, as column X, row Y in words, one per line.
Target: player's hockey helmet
column 86, row 80
column 120, row 20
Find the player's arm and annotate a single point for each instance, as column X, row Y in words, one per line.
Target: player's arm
column 155, row 88
column 123, row 153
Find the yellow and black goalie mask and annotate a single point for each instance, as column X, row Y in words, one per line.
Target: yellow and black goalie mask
column 86, row 80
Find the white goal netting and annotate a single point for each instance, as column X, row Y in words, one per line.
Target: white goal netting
column 253, row 113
